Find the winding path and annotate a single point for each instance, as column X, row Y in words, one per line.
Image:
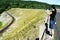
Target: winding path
column 13, row 19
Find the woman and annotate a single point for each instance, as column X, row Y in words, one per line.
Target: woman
column 52, row 20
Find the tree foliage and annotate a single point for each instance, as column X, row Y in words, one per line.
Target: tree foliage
column 7, row 4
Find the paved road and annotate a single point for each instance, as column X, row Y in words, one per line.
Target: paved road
column 57, row 26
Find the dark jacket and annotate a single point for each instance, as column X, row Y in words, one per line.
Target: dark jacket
column 52, row 16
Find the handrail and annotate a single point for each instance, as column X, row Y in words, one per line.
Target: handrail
column 45, row 28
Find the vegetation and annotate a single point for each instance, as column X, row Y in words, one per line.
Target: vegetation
column 0, row 24
column 27, row 21
column 7, row 4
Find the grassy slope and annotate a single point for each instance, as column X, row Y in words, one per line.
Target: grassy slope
column 24, row 19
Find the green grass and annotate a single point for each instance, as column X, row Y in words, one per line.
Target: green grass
column 0, row 24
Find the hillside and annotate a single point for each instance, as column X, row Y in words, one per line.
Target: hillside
column 7, row 4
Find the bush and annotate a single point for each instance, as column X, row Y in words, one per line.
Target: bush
column 0, row 24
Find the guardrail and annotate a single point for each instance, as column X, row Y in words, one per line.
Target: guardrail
column 44, row 30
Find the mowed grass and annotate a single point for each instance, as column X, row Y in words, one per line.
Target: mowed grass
column 24, row 18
